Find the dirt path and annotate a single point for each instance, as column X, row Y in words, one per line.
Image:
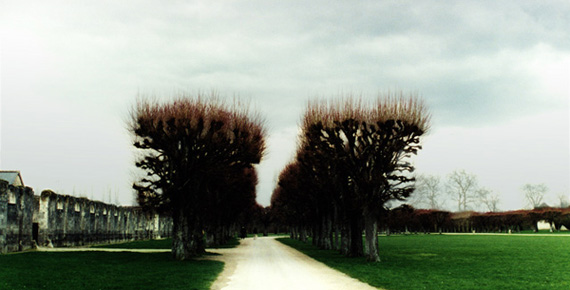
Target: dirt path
column 265, row 263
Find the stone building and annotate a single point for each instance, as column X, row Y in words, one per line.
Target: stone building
column 52, row 219
column 13, row 177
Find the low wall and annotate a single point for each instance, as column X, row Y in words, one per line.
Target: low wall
column 61, row 220
column 70, row 221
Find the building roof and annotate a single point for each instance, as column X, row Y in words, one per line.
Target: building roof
column 12, row 176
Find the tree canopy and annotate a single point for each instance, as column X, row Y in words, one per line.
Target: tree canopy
column 353, row 157
column 188, row 148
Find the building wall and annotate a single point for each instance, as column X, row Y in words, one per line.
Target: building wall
column 62, row 220
column 16, row 217
column 3, row 215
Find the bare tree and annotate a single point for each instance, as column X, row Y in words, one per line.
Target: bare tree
column 489, row 199
column 462, row 188
column 534, row 194
column 563, row 201
column 428, row 192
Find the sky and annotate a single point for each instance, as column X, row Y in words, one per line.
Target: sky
column 495, row 75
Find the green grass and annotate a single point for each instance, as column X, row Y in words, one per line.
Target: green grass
column 544, row 232
column 161, row 244
column 457, row 262
column 102, row 270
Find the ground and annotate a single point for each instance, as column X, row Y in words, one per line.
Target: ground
column 262, row 263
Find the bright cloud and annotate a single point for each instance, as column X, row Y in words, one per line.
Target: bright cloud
column 495, row 76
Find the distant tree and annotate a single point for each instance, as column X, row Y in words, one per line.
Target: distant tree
column 534, row 194
column 489, row 199
column 462, row 188
column 428, row 192
column 563, row 201
column 433, row 220
column 188, row 147
column 399, row 219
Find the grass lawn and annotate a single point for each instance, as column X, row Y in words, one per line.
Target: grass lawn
column 103, row 270
column 157, row 244
column 544, row 232
column 161, row 244
column 457, row 262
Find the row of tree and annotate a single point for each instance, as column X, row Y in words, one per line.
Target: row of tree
column 197, row 156
column 352, row 158
column 464, row 189
column 461, row 187
column 407, row 219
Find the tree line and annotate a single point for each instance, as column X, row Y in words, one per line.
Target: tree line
column 406, row 219
column 352, row 158
column 464, row 189
column 197, row 156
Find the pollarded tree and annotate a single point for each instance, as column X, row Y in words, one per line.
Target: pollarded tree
column 371, row 146
column 231, row 200
column 324, row 186
column 185, row 145
column 291, row 201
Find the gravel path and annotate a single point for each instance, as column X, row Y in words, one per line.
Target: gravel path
column 265, row 263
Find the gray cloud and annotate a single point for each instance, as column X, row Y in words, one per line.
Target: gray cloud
column 70, row 71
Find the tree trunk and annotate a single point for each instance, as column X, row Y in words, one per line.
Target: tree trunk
column 187, row 236
column 336, row 228
column 356, row 247
column 345, row 240
column 198, row 245
column 303, row 234
column 334, row 240
column 219, row 237
column 181, row 235
column 326, row 233
column 371, row 228
column 315, row 232
column 210, row 239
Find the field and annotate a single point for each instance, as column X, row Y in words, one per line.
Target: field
column 157, row 244
column 408, row 262
column 458, row 262
column 105, row 270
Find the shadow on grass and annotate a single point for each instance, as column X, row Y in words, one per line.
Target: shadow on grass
column 104, row 270
column 160, row 244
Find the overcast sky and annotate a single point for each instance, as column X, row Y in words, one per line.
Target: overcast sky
column 495, row 74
